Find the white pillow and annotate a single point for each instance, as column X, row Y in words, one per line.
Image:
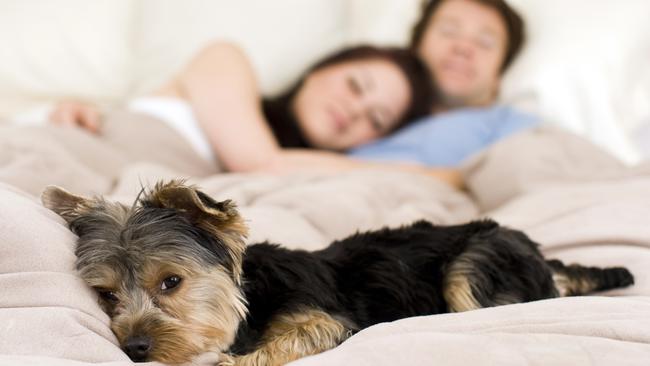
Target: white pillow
column 282, row 37
column 64, row 48
column 582, row 68
column 386, row 22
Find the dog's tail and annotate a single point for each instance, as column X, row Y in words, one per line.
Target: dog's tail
column 574, row 280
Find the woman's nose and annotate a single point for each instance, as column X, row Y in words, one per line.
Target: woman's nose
column 359, row 108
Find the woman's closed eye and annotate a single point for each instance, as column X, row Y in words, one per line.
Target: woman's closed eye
column 378, row 121
column 355, row 85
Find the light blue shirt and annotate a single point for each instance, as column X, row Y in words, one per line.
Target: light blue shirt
column 447, row 139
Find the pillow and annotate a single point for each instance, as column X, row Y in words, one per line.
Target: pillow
column 47, row 311
column 643, row 139
column 583, row 68
column 534, row 160
column 281, row 37
column 386, row 22
column 66, row 48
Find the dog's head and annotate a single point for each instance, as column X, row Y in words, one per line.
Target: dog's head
column 167, row 269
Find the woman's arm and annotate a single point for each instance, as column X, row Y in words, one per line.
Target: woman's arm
column 287, row 161
column 220, row 85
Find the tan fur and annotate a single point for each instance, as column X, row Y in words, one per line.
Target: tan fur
column 201, row 316
column 293, row 336
column 567, row 286
column 70, row 206
column 101, row 277
column 225, row 223
column 203, row 312
column 457, row 288
column 65, row 204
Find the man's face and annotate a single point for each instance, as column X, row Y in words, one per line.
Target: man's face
column 465, row 45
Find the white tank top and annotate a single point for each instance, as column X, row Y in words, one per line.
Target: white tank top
column 178, row 115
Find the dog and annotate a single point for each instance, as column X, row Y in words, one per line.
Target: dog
column 177, row 280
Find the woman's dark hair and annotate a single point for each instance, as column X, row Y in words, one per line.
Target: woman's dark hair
column 278, row 110
column 513, row 21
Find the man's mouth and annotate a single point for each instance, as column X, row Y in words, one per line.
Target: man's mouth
column 458, row 69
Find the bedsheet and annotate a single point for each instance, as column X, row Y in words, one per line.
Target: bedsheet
column 578, row 202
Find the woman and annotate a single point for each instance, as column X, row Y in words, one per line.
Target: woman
column 349, row 99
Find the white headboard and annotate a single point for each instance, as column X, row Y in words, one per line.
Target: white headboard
column 585, row 67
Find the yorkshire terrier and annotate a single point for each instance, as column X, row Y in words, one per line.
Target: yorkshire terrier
column 177, row 280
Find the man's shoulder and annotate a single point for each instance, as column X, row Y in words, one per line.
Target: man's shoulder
column 495, row 117
column 446, row 139
column 499, row 112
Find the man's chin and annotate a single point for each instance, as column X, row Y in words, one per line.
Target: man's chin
column 459, row 99
column 456, row 101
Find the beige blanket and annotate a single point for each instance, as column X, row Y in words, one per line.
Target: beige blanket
column 581, row 204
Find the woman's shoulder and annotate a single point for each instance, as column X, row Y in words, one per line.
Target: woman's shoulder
column 223, row 48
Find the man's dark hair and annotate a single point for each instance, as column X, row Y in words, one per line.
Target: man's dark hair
column 513, row 21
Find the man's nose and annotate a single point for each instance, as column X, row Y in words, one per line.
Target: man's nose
column 463, row 47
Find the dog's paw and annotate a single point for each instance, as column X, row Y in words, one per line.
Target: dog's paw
column 226, row 360
column 207, row 359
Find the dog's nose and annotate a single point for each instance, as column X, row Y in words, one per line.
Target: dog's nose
column 138, row 348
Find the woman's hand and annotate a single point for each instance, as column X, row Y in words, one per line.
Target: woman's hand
column 77, row 114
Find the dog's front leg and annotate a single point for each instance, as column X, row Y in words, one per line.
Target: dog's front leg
column 292, row 336
column 207, row 359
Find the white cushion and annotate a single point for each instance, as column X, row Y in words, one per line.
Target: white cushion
column 386, row 22
column 282, row 37
column 582, row 68
column 74, row 48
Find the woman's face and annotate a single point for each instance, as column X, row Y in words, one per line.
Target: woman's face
column 351, row 103
column 464, row 45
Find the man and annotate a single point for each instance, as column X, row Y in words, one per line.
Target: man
column 467, row 45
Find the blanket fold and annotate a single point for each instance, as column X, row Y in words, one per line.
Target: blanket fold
column 578, row 202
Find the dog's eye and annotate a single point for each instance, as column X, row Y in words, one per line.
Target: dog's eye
column 170, row 283
column 108, row 296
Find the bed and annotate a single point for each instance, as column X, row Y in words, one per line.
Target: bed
column 580, row 189
column 594, row 213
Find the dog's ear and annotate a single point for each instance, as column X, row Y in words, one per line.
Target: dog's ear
column 221, row 219
column 197, row 206
column 64, row 203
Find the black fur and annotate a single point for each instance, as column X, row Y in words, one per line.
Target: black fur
column 389, row 274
